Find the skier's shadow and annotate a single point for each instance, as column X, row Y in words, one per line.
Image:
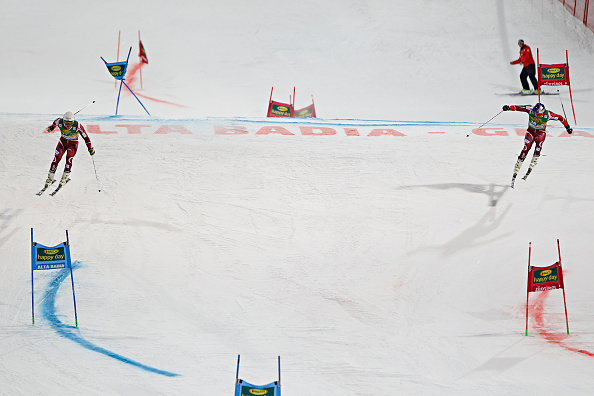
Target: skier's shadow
column 492, row 191
column 487, row 224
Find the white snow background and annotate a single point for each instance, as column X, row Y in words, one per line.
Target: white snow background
column 373, row 265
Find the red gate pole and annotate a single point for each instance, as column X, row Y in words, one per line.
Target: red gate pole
column 293, row 106
column 569, row 85
column 564, row 301
column 528, row 283
column 270, row 103
column 140, row 68
column 539, row 72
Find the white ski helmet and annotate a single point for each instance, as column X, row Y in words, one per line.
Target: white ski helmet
column 68, row 117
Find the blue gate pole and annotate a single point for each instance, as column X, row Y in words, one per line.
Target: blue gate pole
column 135, row 97
column 73, row 298
column 279, row 376
column 119, row 92
column 71, row 278
column 122, row 81
column 32, row 288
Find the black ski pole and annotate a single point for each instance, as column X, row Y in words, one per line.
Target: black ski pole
column 565, row 115
column 96, row 177
column 84, row 107
column 487, row 122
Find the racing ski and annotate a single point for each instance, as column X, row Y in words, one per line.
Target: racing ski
column 59, row 187
column 45, row 188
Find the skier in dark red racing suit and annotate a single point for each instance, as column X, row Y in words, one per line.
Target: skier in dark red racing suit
column 538, row 117
column 68, row 144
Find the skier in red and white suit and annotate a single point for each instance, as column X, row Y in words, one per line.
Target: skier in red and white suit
column 538, row 117
column 68, row 144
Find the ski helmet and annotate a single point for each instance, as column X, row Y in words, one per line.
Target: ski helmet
column 538, row 109
column 68, row 118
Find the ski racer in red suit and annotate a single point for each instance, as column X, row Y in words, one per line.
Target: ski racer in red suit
column 68, row 144
column 529, row 69
column 538, row 117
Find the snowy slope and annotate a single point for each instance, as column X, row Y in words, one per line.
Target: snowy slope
column 373, row 256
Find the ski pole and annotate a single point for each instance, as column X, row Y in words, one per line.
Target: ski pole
column 96, row 177
column 565, row 115
column 84, row 107
column 487, row 122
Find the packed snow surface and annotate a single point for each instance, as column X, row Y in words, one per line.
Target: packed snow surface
column 376, row 249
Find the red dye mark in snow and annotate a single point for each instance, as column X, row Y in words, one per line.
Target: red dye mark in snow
column 537, row 312
column 131, row 82
column 131, row 77
column 161, row 101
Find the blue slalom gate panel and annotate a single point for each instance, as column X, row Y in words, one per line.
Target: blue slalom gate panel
column 246, row 389
column 49, row 258
column 243, row 388
column 118, row 71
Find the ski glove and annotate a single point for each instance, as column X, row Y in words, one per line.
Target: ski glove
column 505, row 108
column 569, row 130
column 50, row 128
column 91, row 151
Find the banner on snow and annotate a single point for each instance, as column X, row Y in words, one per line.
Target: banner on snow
column 243, row 388
column 545, row 278
column 49, row 258
column 554, row 75
column 278, row 109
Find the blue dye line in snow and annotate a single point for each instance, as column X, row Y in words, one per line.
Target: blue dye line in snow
column 329, row 122
column 70, row 332
column 286, row 121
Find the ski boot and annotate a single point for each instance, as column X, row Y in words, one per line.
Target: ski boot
column 516, row 170
column 50, row 179
column 532, row 165
column 65, row 178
